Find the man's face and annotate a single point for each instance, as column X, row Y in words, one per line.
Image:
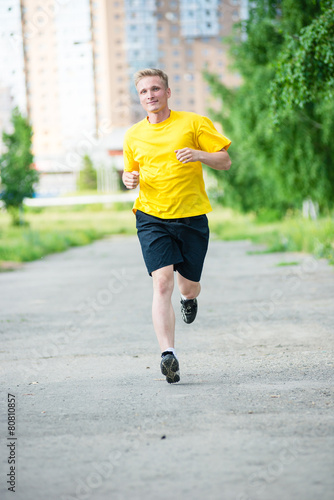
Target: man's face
column 152, row 94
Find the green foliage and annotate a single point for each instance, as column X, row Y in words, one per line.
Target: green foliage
column 292, row 234
column 56, row 229
column 273, row 168
column 305, row 67
column 87, row 175
column 18, row 177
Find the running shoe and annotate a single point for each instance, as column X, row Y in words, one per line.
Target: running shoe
column 170, row 367
column 189, row 310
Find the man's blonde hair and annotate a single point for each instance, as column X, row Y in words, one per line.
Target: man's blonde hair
column 151, row 72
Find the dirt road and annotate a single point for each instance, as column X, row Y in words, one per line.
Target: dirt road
column 251, row 419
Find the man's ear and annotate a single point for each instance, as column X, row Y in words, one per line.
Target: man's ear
column 169, row 92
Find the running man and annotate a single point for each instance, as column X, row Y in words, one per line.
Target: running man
column 164, row 154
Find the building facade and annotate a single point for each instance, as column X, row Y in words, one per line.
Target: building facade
column 182, row 37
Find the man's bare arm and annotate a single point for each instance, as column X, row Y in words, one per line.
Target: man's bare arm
column 218, row 161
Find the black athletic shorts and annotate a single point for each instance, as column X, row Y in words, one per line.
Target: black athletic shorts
column 181, row 242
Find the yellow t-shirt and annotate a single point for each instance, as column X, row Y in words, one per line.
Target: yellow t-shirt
column 170, row 189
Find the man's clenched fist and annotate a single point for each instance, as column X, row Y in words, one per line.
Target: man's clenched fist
column 130, row 179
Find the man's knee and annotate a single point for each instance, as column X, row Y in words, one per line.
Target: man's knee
column 163, row 281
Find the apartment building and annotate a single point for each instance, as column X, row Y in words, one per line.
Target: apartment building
column 12, row 80
column 182, row 37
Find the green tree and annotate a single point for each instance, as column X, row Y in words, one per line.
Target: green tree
column 18, row 176
column 305, row 67
column 274, row 168
column 87, row 175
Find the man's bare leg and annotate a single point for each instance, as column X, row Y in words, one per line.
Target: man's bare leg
column 162, row 310
column 189, row 289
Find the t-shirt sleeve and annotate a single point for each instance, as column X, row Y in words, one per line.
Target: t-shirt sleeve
column 129, row 162
column 209, row 139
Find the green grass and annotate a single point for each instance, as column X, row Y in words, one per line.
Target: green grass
column 293, row 234
column 293, row 263
column 56, row 229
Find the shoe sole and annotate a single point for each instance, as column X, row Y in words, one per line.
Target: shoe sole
column 188, row 320
column 170, row 368
column 190, row 317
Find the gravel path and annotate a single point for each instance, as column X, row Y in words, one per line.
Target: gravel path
column 251, row 419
